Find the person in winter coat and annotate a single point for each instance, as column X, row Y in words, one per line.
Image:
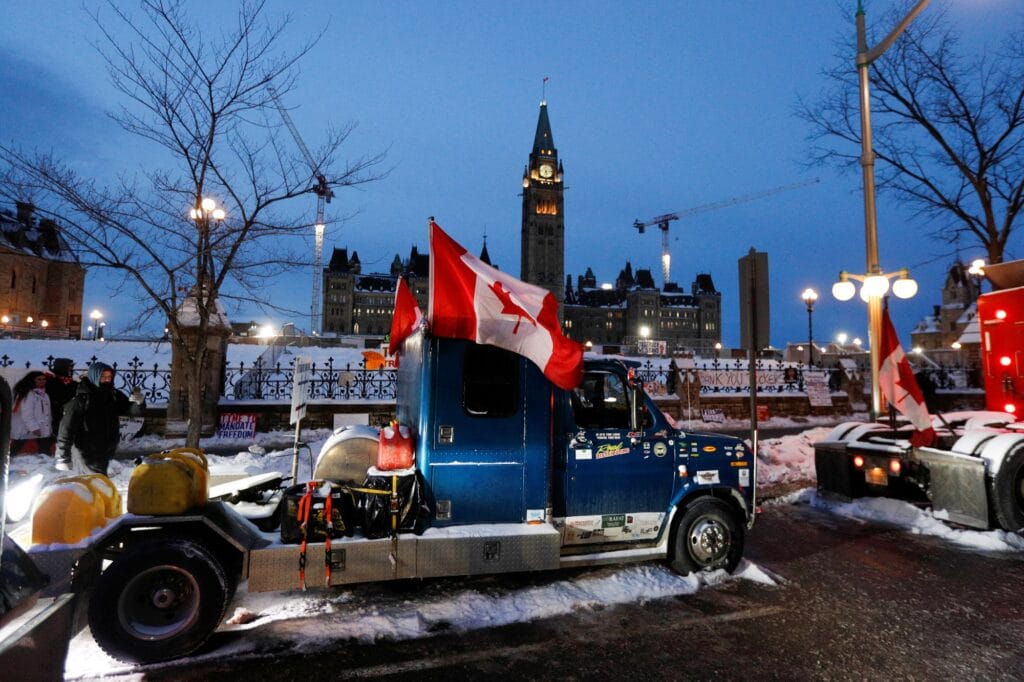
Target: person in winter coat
column 90, row 431
column 31, row 425
column 61, row 388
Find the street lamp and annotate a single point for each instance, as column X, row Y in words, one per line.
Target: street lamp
column 95, row 316
column 202, row 213
column 876, row 282
column 810, row 296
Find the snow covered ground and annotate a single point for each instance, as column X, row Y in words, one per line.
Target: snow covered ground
column 311, row 620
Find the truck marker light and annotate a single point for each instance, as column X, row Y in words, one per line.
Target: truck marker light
column 895, row 466
column 1009, row 407
column 1005, row 361
column 1000, row 314
column 682, row 471
column 858, row 461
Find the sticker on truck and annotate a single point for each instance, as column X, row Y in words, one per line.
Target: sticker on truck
column 708, row 477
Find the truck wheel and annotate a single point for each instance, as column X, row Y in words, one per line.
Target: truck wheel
column 707, row 537
column 160, row 600
column 1007, row 492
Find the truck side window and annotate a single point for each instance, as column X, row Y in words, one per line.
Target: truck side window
column 490, row 381
column 599, row 402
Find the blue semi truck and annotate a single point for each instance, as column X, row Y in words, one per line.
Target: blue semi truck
column 522, row 476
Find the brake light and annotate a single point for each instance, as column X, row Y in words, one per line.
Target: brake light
column 1005, row 361
column 1000, row 314
column 895, row 466
column 858, row 461
column 1009, row 407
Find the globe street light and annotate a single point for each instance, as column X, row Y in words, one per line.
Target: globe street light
column 95, row 316
column 865, row 57
column 202, row 213
column 810, row 296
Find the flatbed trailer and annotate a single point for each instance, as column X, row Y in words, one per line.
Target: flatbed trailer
column 523, row 477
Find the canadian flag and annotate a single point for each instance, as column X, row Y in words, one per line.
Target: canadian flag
column 406, row 318
column 896, row 379
column 471, row 300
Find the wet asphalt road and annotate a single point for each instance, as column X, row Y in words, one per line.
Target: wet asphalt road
column 854, row 600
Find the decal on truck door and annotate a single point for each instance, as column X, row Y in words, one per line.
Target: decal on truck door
column 578, row 530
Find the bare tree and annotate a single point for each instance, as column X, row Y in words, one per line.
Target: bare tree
column 206, row 103
column 947, row 128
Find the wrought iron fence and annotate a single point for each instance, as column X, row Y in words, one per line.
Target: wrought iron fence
column 330, row 381
column 153, row 381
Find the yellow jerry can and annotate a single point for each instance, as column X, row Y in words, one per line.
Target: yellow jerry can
column 197, row 459
column 161, row 486
column 113, row 505
column 66, row 513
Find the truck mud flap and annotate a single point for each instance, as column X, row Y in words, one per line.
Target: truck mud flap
column 834, row 470
column 956, row 486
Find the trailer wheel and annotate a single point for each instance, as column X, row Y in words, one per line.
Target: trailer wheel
column 159, row 601
column 708, row 536
column 1007, row 491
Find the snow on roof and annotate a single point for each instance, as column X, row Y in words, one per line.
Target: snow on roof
column 971, row 333
column 188, row 314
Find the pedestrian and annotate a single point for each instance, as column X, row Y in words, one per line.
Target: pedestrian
column 90, row 430
column 61, row 388
column 31, row 426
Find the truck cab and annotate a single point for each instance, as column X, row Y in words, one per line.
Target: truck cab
column 497, row 443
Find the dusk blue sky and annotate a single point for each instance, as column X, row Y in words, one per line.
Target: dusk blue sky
column 654, row 107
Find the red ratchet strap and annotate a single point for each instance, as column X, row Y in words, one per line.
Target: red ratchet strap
column 302, row 515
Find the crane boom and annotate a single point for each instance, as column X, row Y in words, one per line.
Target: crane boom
column 323, row 196
column 663, row 221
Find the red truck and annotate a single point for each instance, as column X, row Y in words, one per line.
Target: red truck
column 975, row 474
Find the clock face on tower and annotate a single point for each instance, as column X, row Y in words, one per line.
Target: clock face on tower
column 546, row 171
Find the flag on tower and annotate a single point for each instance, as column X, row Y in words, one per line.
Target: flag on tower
column 898, row 385
column 406, row 318
column 472, row 300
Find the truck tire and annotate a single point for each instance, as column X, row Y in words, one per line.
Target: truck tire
column 1007, row 491
column 708, row 537
column 161, row 600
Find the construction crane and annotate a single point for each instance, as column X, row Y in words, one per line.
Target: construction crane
column 662, row 221
column 323, row 196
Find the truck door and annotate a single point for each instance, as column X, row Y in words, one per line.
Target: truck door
column 611, row 469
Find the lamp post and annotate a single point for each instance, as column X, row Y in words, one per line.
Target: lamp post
column 95, row 316
column 202, row 213
column 865, row 57
column 809, row 297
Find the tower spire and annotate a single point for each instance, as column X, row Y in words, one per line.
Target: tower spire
column 543, row 141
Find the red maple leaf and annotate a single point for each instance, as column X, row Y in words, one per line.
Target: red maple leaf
column 510, row 307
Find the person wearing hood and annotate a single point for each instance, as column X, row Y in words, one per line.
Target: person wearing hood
column 90, row 429
column 31, row 426
column 61, row 388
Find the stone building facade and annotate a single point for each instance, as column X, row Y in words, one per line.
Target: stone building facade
column 936, row 333
column 635, row 310
column 42, row 283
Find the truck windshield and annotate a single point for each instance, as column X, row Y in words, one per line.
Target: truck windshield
column 599, row 402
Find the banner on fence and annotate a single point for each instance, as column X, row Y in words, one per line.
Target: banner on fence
column 730, row 380
column 300, row 387
column 237, row 425
column 816, row 385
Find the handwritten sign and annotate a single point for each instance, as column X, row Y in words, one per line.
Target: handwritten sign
column 816, row 386
column 713, row 416
column 236, row 425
